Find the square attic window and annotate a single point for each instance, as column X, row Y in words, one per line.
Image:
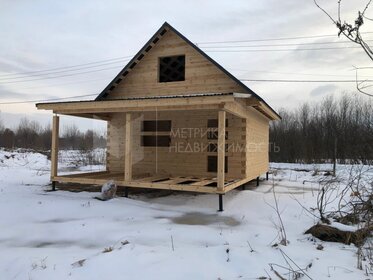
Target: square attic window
column 171, row 69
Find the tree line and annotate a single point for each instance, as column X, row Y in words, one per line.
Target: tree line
column 32, row 135
column 339, row 128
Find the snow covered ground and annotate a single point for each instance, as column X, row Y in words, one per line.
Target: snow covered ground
column 65, row 235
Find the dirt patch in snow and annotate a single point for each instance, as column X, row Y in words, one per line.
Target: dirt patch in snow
column 201, row 219
column 59, row 244
column 58, row 221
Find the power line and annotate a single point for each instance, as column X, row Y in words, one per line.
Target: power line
column 66, row 67
column 304, row 81
column 283, row 50
column 274, row 39
column 60, row 76
column 69, row 83
column 61, row 71
column 292, row 73
column 44, row 100
column 279, row 45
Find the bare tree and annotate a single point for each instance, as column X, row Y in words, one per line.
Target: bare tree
column 352, row 32
column 72, row 136
column 27, row 134
column 330, row 130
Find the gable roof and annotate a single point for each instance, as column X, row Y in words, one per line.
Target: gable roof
column 149, row 45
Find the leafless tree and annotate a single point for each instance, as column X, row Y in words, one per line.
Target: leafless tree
column 71, row 136
column 352, row 32
column 321, row 131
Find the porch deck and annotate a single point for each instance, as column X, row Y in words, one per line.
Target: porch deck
column 180, row 183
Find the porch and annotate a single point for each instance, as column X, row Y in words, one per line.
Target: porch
column 129, row 173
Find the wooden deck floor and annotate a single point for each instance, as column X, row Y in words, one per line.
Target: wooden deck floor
column 190, row 183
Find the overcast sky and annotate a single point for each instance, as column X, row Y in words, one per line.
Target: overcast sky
column 41, row 35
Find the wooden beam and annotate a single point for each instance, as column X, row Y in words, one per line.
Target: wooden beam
column 100, row 110
column 203, row 182
column 180, row 187
column 268, row 111
column 142, row 103
column 85, row 180
column 127, row 149
column 151, row 178
column 221, row 150
column 54, row 148
column 236, row 109
column 85, row 174
column 235, row 184
column 252, row 101
column 80, row 114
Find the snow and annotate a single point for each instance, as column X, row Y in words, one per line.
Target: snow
column 178, row 236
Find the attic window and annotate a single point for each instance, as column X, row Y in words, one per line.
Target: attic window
column 172, row 69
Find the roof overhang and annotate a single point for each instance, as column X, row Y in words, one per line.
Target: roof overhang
column 101, row 109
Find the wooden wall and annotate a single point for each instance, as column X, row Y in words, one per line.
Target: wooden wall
column 201, row 76
column 177, row 160
column 257, row 139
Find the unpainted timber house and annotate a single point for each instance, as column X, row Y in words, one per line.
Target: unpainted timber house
column 176, row 120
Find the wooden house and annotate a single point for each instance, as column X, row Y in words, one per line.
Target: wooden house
column 176, row 120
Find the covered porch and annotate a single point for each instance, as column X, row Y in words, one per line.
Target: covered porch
column 222, row 105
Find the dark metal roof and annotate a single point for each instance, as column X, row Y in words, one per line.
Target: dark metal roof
column 162, row 30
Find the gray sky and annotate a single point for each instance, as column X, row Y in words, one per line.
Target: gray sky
column 39, row 35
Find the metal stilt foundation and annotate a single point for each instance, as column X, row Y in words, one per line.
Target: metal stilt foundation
column 220, row 203
column 126, row 192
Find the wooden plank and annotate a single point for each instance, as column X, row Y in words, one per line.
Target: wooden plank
column 142, row 103
column 108, row 176
column 221, row 150
column 268, row 111
column 236, row 109
column 103, row 117
column 127, row 149
column 177, row 180
column 54, row 148
column 85, row 174
column 80, row 180
column 150, row 178
column 237, row 183
column 180, row 187
column 203, row 182
column 98, row 110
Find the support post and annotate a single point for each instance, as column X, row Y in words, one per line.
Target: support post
column 221, row 203
column 257, row 181
column 54, row 149
column 127, row 149
column 221, row 150
column 53, row 185
column 267, row 175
